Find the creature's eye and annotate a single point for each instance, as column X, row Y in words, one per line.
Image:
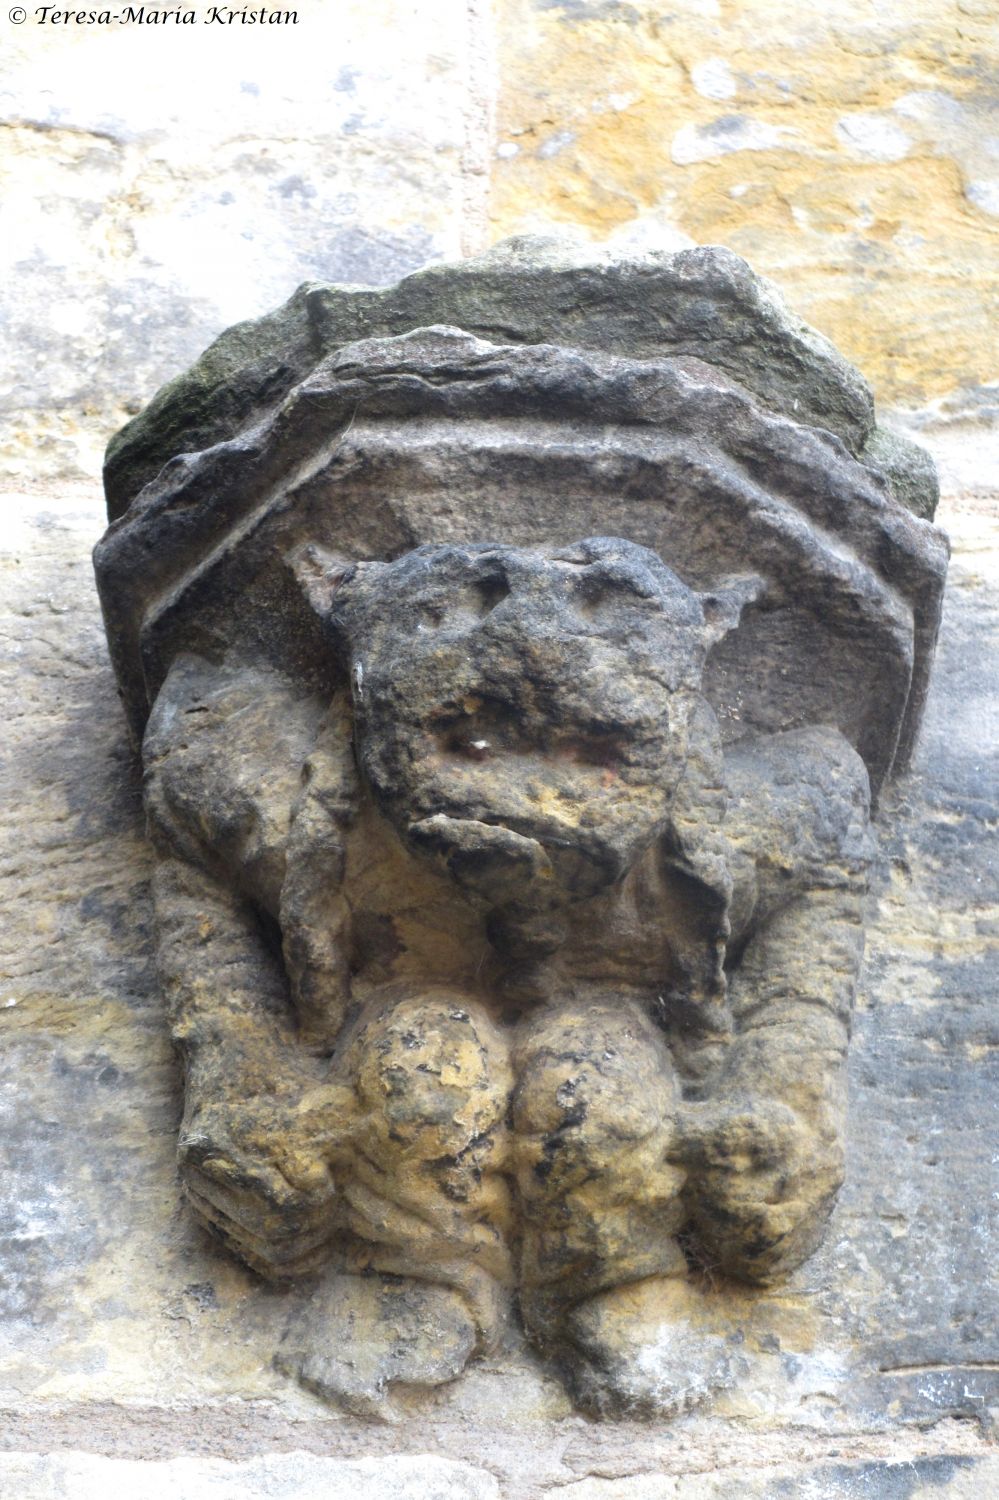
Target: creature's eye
column 469, row 741
column 488, row 592
column 466, row 739
column 599, row 749
column 467, row 603
column 479, row 728
column 590, row 594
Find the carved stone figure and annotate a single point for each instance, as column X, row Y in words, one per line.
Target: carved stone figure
column 511, row 711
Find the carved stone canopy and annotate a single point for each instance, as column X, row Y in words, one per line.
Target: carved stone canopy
column 395, row 442
column 516, row 650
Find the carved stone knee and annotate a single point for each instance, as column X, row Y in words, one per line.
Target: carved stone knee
column 427, row 1151
column 593, row 1116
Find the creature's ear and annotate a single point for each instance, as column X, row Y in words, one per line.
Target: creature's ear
column 319, row 574
column 723, row 605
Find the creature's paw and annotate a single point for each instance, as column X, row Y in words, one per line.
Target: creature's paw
column 645, row 1349
column 265, row 1192
column 357, row 1337
column 761, row 1187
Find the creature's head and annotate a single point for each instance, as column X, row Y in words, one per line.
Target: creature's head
column 524, row 715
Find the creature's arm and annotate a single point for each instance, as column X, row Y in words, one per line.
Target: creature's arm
column 313, row 910
column 254, row 1141
column 767, row 1150
column 223, row 756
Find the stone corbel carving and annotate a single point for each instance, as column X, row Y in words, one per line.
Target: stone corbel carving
column 515, row 653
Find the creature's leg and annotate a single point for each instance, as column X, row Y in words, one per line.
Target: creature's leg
column 604, row 1286
column 765, row 1147
column 425, row 1202
column 423, row 1178
column 594, row 1111
column 766, row 1169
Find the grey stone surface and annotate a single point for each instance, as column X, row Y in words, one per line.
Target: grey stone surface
column 299, row 1476
column 161, row 181
column 909, row 469
column 705, row 303
column 919, row 1479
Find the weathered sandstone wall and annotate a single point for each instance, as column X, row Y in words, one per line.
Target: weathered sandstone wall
column 158, row 183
